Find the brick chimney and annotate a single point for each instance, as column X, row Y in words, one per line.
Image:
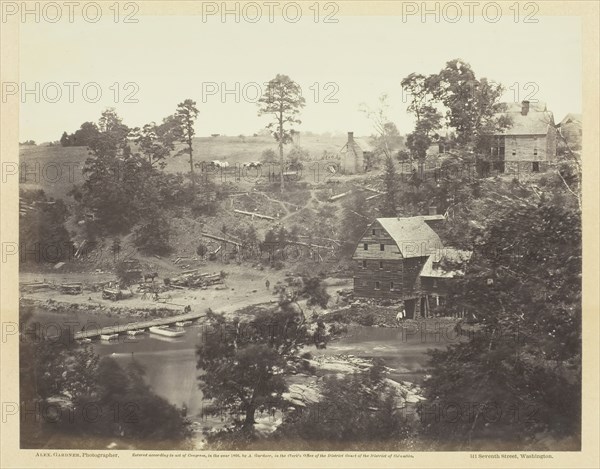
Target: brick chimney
column 432, row 210
column 524, row 108
column 350, row 137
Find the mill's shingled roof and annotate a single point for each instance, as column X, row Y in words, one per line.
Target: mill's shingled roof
column 413, row 236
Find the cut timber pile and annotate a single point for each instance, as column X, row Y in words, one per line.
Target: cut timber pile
column 195, row 279
column 36, row 286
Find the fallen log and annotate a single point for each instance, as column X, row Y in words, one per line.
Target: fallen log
column 218, row 238
column 311, row 245
column 186, row 272
column 370, row 189
column 339, row 196
column 336, row 241
column 252, row 214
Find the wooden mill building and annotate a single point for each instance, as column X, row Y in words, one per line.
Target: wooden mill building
column 404, row 259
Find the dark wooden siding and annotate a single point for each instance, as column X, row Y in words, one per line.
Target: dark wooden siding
column 434, row 286
column 374, row 241
column 404, row 273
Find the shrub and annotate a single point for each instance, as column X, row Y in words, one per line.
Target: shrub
column 152, row 236
column 201, row 250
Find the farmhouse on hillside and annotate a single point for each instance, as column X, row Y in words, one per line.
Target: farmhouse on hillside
column 353, row 155
column 404, row 259
column 529, row 143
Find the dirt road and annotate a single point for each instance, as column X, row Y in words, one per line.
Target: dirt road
column 243, row 286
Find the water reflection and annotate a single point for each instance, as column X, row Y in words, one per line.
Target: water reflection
column 171, row 363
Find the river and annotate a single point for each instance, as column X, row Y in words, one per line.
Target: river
column 171, row 365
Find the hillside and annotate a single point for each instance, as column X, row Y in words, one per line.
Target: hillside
column 55, row 168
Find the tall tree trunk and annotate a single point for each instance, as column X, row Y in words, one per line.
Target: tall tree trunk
column 192, row 164
column 249, row 420
column 281, row 148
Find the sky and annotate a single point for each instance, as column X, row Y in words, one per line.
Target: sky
column 160, row 61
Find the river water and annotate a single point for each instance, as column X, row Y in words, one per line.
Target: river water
column 171, row 363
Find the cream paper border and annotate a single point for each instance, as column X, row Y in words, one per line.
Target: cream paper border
column 13, row 457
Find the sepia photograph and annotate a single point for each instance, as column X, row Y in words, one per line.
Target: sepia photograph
column 299, row 230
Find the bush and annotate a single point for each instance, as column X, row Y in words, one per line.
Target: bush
column 201, row 250
column 152, row 237
column 43, row 225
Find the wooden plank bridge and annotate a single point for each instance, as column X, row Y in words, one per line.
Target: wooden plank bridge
column 123, row 328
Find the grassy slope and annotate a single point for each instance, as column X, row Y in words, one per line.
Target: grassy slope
column 49, row 167
column 69, row 162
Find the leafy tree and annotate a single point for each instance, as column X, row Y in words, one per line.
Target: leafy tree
column 85, row 135
column 472, row 105
column 152, row 236
column 422, row 105
column 268, row 157
column 109, row 120
column 356, row 215
column 42, row 233
column 390, row 182
column 186, row 116
column 57, row 374
column 65, row 140
column 282, row 101
column 168, row 130
column 245, row 362
column 522, row 368
column 296, row 157
column 417, row 87
column 355, row 412
column 112, row 182
column 154, row 144
column 315, row 290
column 403, row 155
column 122, row 187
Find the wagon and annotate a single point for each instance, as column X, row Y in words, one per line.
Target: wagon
column 71, row 288
column 111, row 294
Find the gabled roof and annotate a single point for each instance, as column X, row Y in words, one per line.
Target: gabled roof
column 572, row 117
column 363, row 144
column 450, row 263
column 413, row 236
column 536, row 121
column 360, row 143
